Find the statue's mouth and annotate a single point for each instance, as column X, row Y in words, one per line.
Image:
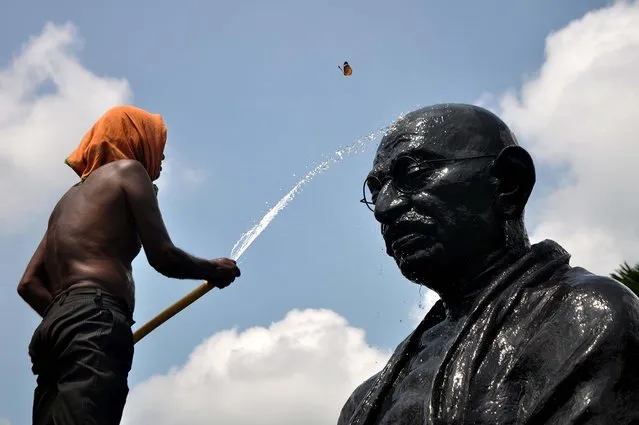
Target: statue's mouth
column 405, row 237
column 406, row 242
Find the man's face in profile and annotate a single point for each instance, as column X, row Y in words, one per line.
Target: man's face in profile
column 433, row 193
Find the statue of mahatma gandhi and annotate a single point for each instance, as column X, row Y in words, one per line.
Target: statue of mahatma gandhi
column 519, row 336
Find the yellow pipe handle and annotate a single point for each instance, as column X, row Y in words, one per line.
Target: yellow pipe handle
column 171, row 311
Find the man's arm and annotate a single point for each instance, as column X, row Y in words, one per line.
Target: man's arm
column 160, row 251
column 34, row 285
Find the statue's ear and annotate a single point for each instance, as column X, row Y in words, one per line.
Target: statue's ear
column 515, row 172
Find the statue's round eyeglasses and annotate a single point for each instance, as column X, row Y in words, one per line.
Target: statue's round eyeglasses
column 408, row 175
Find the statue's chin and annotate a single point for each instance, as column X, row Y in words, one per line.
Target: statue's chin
column 420, row 266
column 414, row 267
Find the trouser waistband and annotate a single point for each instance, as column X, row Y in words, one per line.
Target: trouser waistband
column 98, row 295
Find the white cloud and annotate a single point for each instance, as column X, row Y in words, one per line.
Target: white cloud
column 39, row 127
column 4, row 421
column 300, row 370
column 581, row 112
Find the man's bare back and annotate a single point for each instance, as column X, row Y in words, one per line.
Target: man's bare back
column 98, row 228
column 92, row 237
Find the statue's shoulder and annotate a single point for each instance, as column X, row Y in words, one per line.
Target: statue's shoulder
column 582, row 283
column 585, row 295
column 355, row 399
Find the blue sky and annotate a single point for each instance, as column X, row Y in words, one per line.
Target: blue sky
column 253, row 99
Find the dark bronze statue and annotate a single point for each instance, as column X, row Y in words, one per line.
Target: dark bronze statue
column 519, row 336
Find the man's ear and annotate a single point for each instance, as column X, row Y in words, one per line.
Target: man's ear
column 515, row 173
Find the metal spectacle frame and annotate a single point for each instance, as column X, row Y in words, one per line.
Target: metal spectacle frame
column 415, row 162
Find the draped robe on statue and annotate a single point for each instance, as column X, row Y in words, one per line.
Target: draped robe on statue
column 544, row 343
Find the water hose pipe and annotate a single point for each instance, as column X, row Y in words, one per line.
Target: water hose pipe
column 171, row 311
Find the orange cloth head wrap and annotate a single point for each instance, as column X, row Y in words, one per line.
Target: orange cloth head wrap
column 123, row 132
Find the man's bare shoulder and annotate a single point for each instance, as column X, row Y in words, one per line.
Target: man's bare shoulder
column 117, row 174
column 105, row 183
column 126, row 168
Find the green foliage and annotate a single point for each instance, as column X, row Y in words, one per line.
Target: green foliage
column 628, row 275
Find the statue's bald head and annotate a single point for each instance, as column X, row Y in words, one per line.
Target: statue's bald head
column 451, row 130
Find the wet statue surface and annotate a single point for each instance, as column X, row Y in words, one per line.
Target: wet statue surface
column 519, row 335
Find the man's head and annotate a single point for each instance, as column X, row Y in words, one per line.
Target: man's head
column 123, row 132
column 442, row 220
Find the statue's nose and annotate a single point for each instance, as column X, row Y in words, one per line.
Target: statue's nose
column 390, row 204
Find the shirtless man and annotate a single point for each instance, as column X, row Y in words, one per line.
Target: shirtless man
column 80, row 279
column 518, row 336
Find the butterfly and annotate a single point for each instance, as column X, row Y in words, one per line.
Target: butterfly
column 347, row 70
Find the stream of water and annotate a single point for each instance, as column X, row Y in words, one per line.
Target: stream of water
column 249, row 237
